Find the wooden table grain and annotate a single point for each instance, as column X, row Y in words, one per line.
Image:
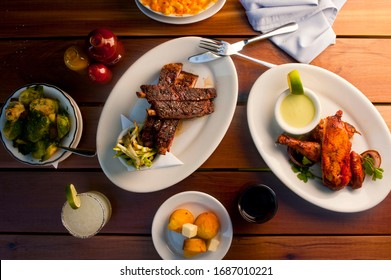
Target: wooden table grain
column 33, row 38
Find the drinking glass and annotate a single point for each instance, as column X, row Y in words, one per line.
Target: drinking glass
column 92, row 215
column 257, row 203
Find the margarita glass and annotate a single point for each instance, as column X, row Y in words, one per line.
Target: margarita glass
column 87, row 220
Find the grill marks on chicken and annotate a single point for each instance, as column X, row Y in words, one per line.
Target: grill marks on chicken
column 336, row 148
column 310, row 149
column 330, row 144
column 172, row 99
column 357, row 170
column 317, row 133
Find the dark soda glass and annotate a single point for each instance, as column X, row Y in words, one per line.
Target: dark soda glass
column 257, row 203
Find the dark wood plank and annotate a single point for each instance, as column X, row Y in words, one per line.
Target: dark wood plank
column 29, row 247
column 33, row 204
column 34, row 36
column 32, row 61
column 52, row 247
column 46, row 56
column 27, row 19
column 310, row 248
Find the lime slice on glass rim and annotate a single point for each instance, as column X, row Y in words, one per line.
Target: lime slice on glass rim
column 294, row 82
column 72, row 198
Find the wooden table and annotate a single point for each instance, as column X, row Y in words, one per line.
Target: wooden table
column 34, row 35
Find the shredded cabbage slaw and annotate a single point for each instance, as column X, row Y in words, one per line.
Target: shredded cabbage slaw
column 130, row 148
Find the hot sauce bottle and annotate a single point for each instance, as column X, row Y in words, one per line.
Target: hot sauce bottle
column 104, row 46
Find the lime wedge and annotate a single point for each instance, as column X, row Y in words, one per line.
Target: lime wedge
column 72, row 198
column 294, row 82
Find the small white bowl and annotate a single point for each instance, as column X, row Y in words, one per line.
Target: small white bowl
column 70, row 140
column 169, row 244
column 298, row 130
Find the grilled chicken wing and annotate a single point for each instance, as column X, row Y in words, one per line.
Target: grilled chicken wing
column 330, row 144
column 358, row 174
column 311, row 150
column 336, row 153
column 317, row 133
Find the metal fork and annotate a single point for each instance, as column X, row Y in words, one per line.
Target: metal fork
column 222, row 48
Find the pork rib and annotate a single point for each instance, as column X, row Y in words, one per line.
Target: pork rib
column 181, row 109
column 175, row 92
column 186, row 79
column 165, row 136
column 170, row 73
column 158, row 132
column 150, row 131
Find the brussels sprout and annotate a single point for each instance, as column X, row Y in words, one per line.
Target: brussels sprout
column 39, row 150
column 46, row 106
column 50, row 150
column 14, row 110
column 63, row 126
column 36, row 124
column 37, row 127
column 13, row 129
column 43, row 150
column 52, row 117
column 30, row 94
column 24, row 147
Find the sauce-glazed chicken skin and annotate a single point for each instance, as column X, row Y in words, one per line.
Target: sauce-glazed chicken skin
column 357, row 170
column 336, row 148
column 330, row 144
column 310, row 149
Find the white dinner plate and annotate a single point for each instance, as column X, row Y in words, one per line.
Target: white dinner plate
column 182, row 20
column 335, row 93
column 196, row 139
column 169, row 244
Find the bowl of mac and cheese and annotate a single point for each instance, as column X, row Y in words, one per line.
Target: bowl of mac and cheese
column 177, row 8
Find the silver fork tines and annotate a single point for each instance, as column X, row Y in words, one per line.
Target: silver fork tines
column 213, row 45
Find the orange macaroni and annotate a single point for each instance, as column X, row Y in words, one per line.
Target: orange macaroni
column 178, row 7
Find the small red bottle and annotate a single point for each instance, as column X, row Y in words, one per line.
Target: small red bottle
column 104, row 46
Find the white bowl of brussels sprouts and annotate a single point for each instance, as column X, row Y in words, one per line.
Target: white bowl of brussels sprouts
column 37, row 118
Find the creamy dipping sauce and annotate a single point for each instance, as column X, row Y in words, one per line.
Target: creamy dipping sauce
column 297, row 110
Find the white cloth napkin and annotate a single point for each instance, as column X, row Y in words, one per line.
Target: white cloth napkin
column 314, row 17
column 138, row 115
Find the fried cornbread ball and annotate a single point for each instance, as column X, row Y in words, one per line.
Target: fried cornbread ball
column 208, row 225
column 178, row 218
column 193, row 247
